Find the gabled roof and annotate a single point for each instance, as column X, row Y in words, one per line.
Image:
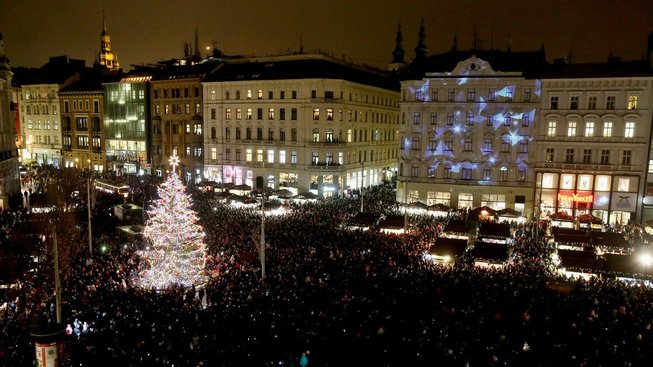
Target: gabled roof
column 300, row 67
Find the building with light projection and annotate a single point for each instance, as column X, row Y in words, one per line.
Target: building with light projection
column 467, row 129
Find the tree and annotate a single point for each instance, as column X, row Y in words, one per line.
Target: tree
column 176, row 252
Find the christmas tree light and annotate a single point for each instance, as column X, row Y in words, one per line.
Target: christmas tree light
column 176, row 253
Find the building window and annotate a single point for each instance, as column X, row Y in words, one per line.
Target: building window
column 259, row 114
column 591, row 102
column 571, row 128
column 525, row 120
column 237, row 133
column 527, row 95
column 270, row 113
column 553, row 102
column 487, row 145
column 589, row 129
column 626, row 157
column 316, row 114
column 573, row 102
column 259, row 95
column 507, row 120
column 503, row 174
column 82, row 123
column 451, row 94
column 270, row 156
column 450, row 118
column 282, row 157
column 523, row 146
column 470, row 119
column 418, row 95
column 587, row 156
column 489, row 121
column 329, row 114
column 239, row 114
column 314, row 159
column 259, row 155
column 448, row 144
column 197, row 129
column 227, row 113
column 282, row 134
column 249, row 114
column 416, row 118
column 551, row 129
column 607, row 129
column 605, row 156
column 490, row 95
column 227, row 133
column 434, row 95
column 632, row 102
column 259, row 133
column 248, row 134
column 549, row 156
column 414, row 171
column 433, row 143
column 213, row 132
column 505, row 144
column 569, row 156
column 434, row 118
column 293, row 157
column 521, row 175
column 508, row 95
column 270, row 134
column 466, row 174
column 467, row 147
column 197, row 152
column 82, row 142
column 610, row 102
column 471, row 95
column 293, row 134
column 487, row 175
column 629, row 131
column 293, row 114
column 316, row 135
column 282, row 114
column 447, row 171
column 416, row 143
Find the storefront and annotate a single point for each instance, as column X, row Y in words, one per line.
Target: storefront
column 613, row 199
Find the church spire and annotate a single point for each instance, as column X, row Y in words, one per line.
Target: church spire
column 105, row 57
column 421, row 50
column 398, row 53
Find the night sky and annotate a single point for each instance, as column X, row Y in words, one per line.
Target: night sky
column 144, row 31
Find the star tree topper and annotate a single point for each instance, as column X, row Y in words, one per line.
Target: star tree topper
column 174, row 161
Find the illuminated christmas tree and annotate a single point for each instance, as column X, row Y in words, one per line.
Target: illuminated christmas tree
column 176, row 253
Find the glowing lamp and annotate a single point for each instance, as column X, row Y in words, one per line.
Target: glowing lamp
column 646, row 259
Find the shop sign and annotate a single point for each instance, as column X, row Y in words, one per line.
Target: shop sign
column 576, row 198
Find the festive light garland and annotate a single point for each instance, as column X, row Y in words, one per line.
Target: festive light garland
column 177, row 253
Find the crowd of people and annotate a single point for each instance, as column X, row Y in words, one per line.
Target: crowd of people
column 335, row 297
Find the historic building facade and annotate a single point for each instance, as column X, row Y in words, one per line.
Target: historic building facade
column 594, row 139
column 467, row 131
column 9, row 180
column 305, row 123
column 82, row 126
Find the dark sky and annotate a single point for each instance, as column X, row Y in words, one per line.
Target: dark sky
column 144, row 31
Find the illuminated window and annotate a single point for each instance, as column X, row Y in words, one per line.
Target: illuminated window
column 610, row 102
column 315, row 159
column 629, row 132
column 553, row 102
column 551, row 129
column 623, row 184
column 434, row 118
column 471, row 95
column 589, row 129
column 632, row 102
column 329, row 136
column 603, row 183
column 626, row 157
column 259, row 155
column 567, row 182
column 416, row 118
column 239, row 114
column 227, row 113
column 605, row 156
column 569, row 155
column 470, row 118
column 316, row 135
column 214, row 153
column 316, row 114
column 465, row 200
column 467, row 146
column 573, row 102
column 607, row 129
column 293, row 157
column 571, row 128
column 270, row 113
column 249, row 94
column 587, row 156
column 260, row 94
column 451, row 94
column 585, row 182
column 329, row 114
column 282, row 156
column 249, row 113
column 271, row 156
column 549, row 155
